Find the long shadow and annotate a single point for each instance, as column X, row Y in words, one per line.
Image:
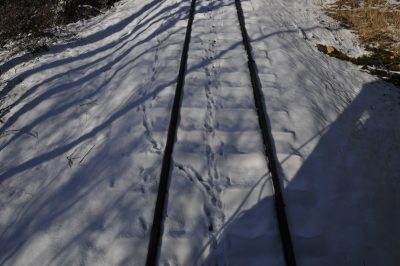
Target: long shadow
column 48, row 209
column 95, row 37
column 36, row 101
column 75, row 84
column 122, row 42
column 342, row 203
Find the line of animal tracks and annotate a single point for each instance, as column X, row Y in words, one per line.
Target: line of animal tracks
column 222, row 103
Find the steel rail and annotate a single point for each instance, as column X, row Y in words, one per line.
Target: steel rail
column 264, row 123
column 155, row 234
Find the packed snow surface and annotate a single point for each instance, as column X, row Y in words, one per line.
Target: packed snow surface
column 84, row 128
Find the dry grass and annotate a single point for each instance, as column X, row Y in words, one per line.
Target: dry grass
column 377, row 25
column 376, row 22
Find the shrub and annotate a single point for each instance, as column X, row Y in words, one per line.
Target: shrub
column 22, row 19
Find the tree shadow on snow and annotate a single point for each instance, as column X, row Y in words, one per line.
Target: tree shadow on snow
column 67, row 192
column 60, row 199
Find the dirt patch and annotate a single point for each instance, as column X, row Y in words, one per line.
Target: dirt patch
column 382, row 63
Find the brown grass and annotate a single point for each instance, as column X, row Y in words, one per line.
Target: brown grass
column 376, row 22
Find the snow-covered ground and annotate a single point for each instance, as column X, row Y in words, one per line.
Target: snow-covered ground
column 220, row 169
column 337, row 138
column 82, row 145
column 81, row 149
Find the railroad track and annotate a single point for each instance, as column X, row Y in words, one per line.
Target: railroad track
column 211, row 109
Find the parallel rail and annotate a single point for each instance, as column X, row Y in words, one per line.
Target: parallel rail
column 263, row 119
column 155, row 235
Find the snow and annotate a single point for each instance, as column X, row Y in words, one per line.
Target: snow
column 336, row 133
column 100, row 107
column 220, row 169
column 82, row 145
